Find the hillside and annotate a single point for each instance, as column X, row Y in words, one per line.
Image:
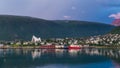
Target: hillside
column 22, row 27
column 116, row 30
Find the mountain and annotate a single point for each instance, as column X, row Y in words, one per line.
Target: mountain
column 116, row 30
column 116, row 22
column 22, row 27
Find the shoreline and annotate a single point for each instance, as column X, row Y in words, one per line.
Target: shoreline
column 37, row 47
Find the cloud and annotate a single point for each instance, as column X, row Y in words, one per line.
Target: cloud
column 115, row 16
column 67, row 17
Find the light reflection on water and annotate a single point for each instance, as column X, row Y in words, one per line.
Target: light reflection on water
column 60, row 58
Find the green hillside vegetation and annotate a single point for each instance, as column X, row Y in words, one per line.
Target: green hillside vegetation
column 22, row 27
column 116, row 30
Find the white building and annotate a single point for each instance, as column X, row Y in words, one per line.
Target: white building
column 35, row 39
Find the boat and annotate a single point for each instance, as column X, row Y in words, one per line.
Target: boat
column 59, row 46
column 74, row 47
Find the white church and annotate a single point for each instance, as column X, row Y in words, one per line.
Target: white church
column 35, row 39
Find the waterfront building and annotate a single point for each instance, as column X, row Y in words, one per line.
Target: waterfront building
column 35, row 39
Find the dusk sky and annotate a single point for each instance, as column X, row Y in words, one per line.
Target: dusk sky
column 86, row 10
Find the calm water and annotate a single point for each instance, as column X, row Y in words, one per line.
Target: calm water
column 59, row 58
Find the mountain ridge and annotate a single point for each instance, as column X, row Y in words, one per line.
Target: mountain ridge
column 115, row 30
column 23, row 27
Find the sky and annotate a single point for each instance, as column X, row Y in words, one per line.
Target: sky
column 104, row 11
